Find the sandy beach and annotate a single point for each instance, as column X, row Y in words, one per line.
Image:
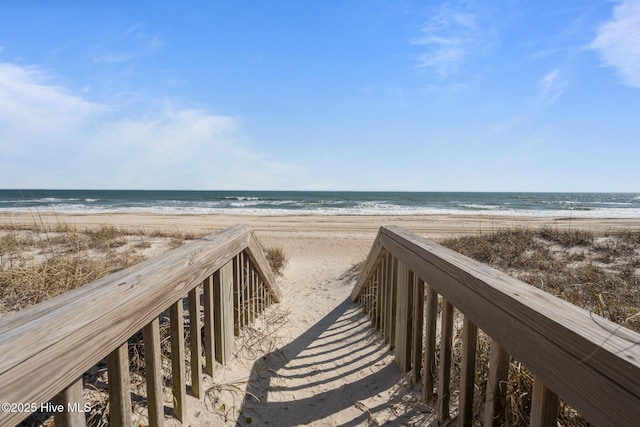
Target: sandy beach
column 325, row 365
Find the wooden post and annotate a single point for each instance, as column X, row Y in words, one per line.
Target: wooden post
column 119, row 387
column 544, row 405
column 467, row 375
column 429, row 361
column 71, row 399
column 223, row 303
column 403, row 317
column 178, row 381
column 444, row 370
column 418, row 320
column 195, row 343
column 209, row 340
column 153, row 372
column 496, row 395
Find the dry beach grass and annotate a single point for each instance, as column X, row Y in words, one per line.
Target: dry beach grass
column 595, row 266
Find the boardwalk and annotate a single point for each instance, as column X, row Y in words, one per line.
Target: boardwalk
column 333, row 369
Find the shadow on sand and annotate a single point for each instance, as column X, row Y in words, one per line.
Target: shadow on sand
column 340, row 366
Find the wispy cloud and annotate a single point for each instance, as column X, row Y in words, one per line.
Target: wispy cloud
column 551, row 86
column 113, row 58
column 454, row 34
column 53, row 138
column 618, row 41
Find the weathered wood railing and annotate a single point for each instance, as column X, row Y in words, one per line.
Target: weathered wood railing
column 589, row 362
column 45, row 349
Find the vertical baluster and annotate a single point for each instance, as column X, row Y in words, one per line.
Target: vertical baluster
column 195, row 343
column 418, row 320
column 378, row 309
column 209, row 340
column 390, row 300
column 404, row 311
column 254, row 293
column 544, row 405
column 372, row 300
column 153, row 372
column 383, row 303
column 223, row 303
column 237, row 278
column 467, row 375
column 179, row 386
column 367, row 299
column 70, row 398
column 245, row 291
column 119, row 387
column 496, row 395
column 393, row 301
column 429, row 361
column 444, row 370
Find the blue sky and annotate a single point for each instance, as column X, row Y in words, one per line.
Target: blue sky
column 321, row 95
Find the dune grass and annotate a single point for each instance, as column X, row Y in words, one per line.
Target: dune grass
column 598, row 272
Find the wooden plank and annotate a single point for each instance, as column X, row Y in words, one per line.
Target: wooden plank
column 444, row 370
column 72, row 401
column 403, row 318
column 429, row 361
column 418, row 324
column 67, row 335
column 223, row 303
column 544, row 405
column 496, row 392
column 119, row 387
column 153, row 372
column 178, row 380
column 195, row 343
column 582, row 352
column 468, row 370
column 209, row 339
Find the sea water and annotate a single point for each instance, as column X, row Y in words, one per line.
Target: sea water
column 600, row 205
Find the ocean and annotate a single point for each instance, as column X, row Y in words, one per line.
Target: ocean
column 600, row 205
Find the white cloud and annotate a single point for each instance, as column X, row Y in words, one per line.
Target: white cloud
column 453, row 35
column 50, row 138
column 33, row 111
column 618, row 42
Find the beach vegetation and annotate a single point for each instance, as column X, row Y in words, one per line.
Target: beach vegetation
column 277, row 259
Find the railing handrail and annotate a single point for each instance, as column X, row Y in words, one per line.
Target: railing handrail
column 588, row 361
column 47, row 346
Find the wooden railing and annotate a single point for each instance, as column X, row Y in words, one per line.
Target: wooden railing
column 45, row 349
column 574, row 355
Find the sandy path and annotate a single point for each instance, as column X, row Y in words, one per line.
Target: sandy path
column 330, row 367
